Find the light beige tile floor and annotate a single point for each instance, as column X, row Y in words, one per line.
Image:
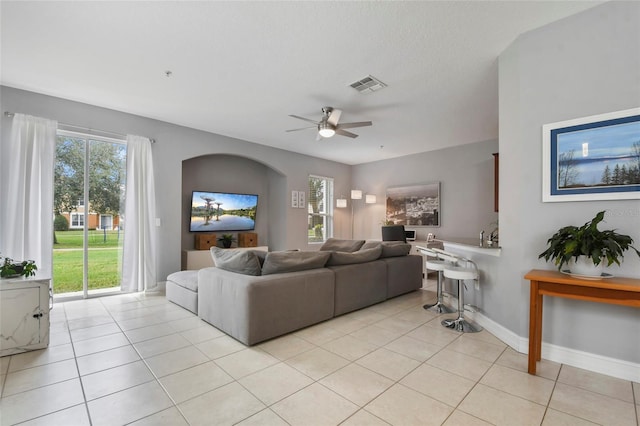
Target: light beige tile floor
column 138, row 359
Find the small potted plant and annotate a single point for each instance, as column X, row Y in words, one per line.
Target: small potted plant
column 586, row 248
column 226, row 240
column 11, row 269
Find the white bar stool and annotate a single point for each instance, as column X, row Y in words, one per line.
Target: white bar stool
column 460, row 274
column 436, row 265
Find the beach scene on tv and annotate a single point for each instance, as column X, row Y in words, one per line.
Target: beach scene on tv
column 599, row 157
column 218, row 211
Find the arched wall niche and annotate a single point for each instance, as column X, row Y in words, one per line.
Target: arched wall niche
column 234, row 173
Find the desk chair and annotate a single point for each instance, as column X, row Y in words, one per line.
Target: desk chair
column 393, row 233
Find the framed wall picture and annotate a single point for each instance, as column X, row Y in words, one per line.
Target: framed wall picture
column 414, row 205
column 592, row 158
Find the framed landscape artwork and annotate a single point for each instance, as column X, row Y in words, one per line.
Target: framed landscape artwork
column 415, row 205
column 592, row 158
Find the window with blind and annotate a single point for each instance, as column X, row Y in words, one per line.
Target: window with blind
column 320, row 209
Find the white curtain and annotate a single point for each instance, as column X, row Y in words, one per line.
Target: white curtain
column 26, row 206
column 139, row 258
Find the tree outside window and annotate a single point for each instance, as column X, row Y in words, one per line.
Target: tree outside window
column 320, row 209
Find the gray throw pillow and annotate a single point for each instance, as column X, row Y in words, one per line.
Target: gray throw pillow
column 241, row 261
column 335, row 244
column 360, row 256
column 260, row 254
column 292, row 261
column 395, row 248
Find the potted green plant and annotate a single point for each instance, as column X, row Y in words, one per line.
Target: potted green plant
column 586, row 248
column 11, row 269
column 226, row 240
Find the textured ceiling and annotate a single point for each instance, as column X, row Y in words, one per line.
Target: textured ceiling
column 240, row 68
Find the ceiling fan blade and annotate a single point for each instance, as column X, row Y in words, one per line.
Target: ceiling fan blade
column 318, row 137
column 352, row 125
column 345, row 133
column 334, row 117
column 302, row 128
column 305, row 119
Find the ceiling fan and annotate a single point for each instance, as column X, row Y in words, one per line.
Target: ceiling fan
column 329, row 126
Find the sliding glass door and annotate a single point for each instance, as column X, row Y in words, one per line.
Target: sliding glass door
column 89, row 186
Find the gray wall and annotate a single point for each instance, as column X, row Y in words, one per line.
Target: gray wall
column 286, row 171
column 465, row 174
column 584, row 65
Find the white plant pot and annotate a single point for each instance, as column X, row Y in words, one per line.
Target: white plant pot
column 584, row 266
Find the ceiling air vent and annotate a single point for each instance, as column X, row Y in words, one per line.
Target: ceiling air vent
column 368, row 84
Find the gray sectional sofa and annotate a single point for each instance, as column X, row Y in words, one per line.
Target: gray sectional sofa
column 255, row 296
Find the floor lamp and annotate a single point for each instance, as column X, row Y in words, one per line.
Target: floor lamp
column 356, row 194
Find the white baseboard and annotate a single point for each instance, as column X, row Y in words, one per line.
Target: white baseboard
column 588, row 361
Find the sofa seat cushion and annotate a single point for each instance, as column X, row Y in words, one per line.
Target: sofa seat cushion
column 243, row 262
column 360, row 256
column 185, row 279
column 336, row 244
column 277, row 262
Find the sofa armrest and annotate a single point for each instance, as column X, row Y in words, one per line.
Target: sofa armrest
column 404, row 274
column 256, row 308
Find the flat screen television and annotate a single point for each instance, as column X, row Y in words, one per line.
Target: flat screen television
column 222, row 211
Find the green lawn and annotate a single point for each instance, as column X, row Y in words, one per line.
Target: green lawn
column 104, row 260
column 73, row 239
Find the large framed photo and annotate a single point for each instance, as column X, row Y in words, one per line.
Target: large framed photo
column 414, row 205
column 592, row 158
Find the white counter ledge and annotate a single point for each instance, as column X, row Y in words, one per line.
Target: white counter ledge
column 471, row 245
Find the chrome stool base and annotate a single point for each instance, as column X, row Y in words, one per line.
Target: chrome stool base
column 459, row 274
column 462, row 325
column 439, row 307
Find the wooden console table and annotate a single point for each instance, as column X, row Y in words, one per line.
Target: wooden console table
column 616, row 290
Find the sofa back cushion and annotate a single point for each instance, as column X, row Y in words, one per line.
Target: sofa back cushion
column 244, row 262
column 360, row 256
column 336, row 244
column 389, row 248
column 395, row 248
column 291, row 261
column 261, row 255
column 371, row 244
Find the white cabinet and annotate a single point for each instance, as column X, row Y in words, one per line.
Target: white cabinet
column 198, row 259
column 24, row 314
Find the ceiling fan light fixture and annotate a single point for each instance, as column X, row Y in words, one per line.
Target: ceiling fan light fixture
column 326, row 130
column 329, row 125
